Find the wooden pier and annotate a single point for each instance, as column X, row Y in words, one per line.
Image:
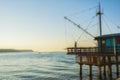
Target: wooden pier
column 106, row 54
column 92, row 57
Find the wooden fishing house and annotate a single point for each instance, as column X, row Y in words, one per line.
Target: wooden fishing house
column 106, row 54
column 110, row 43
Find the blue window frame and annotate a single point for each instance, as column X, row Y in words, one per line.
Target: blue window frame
column 109, row 45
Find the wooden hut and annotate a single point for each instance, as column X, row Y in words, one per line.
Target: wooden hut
column 110, row 43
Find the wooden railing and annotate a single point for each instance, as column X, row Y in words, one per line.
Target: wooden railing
column 82, row 49
column 78, row 50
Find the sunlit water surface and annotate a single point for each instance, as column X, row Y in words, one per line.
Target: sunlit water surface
column 41, row 66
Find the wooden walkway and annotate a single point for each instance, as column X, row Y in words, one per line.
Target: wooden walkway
column 91, row 56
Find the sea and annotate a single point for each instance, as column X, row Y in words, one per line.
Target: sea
column 42, row 66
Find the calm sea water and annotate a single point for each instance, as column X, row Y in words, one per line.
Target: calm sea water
column 41, row 66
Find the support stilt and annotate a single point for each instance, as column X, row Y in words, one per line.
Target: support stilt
column 109, row 67
column 81, row 70
column 104, row 70
column 90, row 70
column 99, row 72
column 80, row 66
column 109, row 72
column 117, row 67
column 104, row 67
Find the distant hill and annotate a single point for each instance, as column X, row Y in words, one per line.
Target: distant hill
column 14, row 50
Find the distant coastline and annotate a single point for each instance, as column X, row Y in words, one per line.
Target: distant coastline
column 14, row 50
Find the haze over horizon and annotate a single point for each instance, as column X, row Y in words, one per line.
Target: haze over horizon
column 39, row 24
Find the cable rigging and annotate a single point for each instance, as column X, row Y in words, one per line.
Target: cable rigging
column 107, row 25
column 117, row 26
column 78, row 26
column 86, row 28
column 83, row 11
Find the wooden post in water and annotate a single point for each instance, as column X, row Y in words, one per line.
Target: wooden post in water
column 104, row 67
column 116, row 57
column 99, row 67
column 90, row 70
column 117, row 66
column 80, row 66
column 99, row 72
column 90, row 66
column 109, row 67
column 81, row 70
column 76, row 52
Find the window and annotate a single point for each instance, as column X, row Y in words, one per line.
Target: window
column 109, row 45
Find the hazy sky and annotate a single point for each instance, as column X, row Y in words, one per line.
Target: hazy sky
column 40, row 24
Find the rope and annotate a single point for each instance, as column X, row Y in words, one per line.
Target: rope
column 86, row 28
column 83, row 11
column 107, row 26
column 67, row 34
column 111, row 21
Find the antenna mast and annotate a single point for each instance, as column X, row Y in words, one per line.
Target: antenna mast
column 99, row 13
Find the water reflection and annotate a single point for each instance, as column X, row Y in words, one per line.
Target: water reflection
column 114, row 76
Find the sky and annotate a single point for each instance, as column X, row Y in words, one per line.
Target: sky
column 40, row 25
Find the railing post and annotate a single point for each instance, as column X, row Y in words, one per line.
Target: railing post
column 75, row 51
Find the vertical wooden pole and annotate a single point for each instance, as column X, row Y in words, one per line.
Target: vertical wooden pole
column 90, row 70
column 104, row 60
column 80, row 65
column 117, row 66
column 81, row 70
column 90, row 67
column 109, row 67
column 80, row 77
column 99, row 72
column 116, row 57
column 104, row 70
column 109, row 70
column 99, row 67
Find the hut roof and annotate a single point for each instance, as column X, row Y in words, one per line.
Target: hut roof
column 108, row 36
